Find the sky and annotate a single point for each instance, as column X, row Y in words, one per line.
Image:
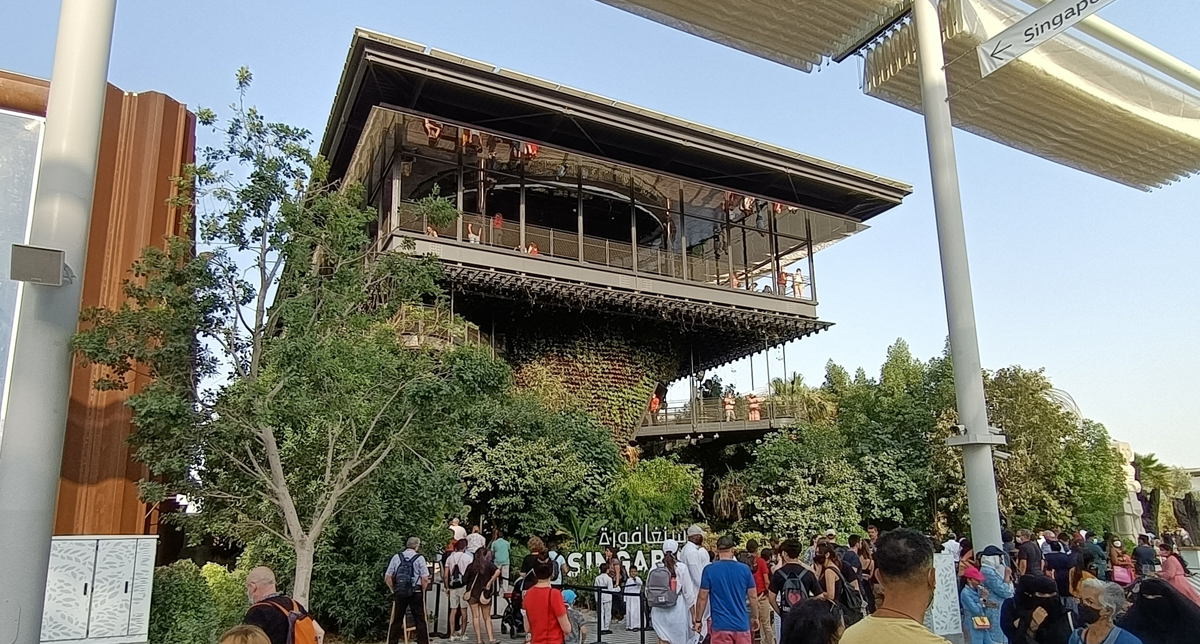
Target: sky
column 1095, row 282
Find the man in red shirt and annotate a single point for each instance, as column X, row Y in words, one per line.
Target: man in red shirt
column 762, row 607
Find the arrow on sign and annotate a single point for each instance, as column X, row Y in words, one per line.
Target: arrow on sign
column 1033, row 30
column 999, row 50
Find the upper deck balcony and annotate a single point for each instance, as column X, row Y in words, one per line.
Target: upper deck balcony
column 573, row 201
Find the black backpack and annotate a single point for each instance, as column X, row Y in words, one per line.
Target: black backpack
column 402, row 578
column 793, row 592
column 456, row 577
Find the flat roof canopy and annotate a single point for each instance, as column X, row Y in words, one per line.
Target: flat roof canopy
column 1067, row 101
column 390, row 72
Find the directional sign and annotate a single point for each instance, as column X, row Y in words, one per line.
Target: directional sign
column 1035, row 29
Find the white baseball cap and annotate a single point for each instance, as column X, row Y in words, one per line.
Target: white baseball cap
column 695, row 531
column 671, row 545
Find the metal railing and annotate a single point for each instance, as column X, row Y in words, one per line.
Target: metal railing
column 709, row 410
column 650, row 260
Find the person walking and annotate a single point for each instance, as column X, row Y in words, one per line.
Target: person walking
column 454, row 578
column 1029, row 555
column 818, row 621
column 762, row 581
column 1162, row 615
column 481, row 580
column 671, row 595
column 1174, row 574
column 726, row 592
column 281, row 618
column 696, row 559
column 633, row 601
column 577, row 618
column 904, row 559
column 1035, row 615
column 544, row 609
column 407, row 577
column 1144, row 557
column 459, row 532
column 1098, row 608
column 1121, row 564
column 604, row 586
column 972, row 597
column 1059, row 565
column 502, row 553
column 475, row 541
column 836, row 584
column 793, row 583
column 997, row 578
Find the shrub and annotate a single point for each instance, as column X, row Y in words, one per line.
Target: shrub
column 182, row 610
column 229, row 593
column 658, row 491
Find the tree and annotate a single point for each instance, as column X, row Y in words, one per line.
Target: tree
column 528, row 467
column 286, row 322
column 805, row 404
column 799, row 485
column 657, row 491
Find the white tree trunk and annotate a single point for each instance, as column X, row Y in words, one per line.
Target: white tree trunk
column 304, row 567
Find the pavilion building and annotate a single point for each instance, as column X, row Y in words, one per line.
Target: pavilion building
column 604, row 249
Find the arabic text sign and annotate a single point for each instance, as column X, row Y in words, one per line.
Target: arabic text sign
column 1035, row 29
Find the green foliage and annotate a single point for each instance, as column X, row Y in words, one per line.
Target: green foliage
column 435, row 209
column 181, row 606
column 608, row 371
column 799, row 485
column 529, row 466
column 288, row 321
column 1089, row 470
column 581, row 530
column 658, row 491
column 228, row 592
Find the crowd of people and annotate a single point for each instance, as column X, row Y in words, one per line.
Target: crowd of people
column 1034, row 588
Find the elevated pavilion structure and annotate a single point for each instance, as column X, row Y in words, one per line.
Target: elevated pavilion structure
column 606, row 249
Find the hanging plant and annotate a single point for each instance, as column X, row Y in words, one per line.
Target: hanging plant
column 434, row 208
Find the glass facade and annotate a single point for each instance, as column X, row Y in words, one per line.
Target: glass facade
column 520, row 197
column 20, row 145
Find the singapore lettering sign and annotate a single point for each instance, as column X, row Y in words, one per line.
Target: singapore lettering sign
column 619, row 541
column 1035, row 29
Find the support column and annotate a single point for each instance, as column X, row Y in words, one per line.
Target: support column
column 31, row 446
column 956, row 281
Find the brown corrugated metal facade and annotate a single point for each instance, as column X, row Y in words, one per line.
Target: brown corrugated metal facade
column 146, row 140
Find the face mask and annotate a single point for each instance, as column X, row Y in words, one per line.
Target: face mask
column 1088, row 614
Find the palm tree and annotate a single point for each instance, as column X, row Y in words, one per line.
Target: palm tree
column 804, row 403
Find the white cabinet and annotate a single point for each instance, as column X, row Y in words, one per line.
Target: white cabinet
column 98, row 590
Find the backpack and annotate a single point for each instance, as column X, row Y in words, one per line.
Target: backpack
column 456, row 577
column 748, row 558
column 301, row 627
column 793, row 592
column 661, row 588
column 851, row 601
column 402, row 577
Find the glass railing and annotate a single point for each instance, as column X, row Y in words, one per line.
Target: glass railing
column 709, row 266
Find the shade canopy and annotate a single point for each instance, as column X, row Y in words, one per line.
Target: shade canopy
column 1067, row 101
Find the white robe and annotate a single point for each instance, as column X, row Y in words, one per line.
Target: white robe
column 633, row 603
column 604, row 600
column 696, row 559
column 674, row 625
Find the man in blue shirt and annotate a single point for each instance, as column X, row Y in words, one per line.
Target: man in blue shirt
column 729, row 585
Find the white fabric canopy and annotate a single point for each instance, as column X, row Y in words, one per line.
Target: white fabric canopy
column 1067, row 101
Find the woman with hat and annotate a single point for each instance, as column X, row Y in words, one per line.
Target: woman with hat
column 673, row 624
column 972, row 597
column 997, row 579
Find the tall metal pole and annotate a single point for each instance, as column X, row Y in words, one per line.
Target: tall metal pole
column 31, row 446
column 956, row 280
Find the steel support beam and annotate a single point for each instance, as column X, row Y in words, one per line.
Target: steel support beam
column 31, row 446
column 956, row 280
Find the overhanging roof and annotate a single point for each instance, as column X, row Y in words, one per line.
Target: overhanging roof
column 385, row 71
column 1066, row 101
